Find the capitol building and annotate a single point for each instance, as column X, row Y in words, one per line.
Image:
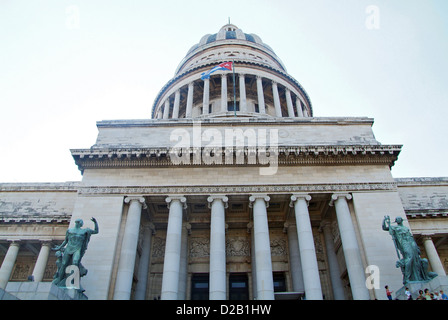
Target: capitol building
column 232, row 189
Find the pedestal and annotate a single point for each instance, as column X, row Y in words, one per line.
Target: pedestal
column 41, row 291
column 436, row 284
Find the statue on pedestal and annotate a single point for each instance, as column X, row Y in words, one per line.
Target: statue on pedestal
column 413, row 268
column 70, row 253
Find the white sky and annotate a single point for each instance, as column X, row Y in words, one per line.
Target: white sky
column 60, row 74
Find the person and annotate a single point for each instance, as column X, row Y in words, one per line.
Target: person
column 443, row 296
column 408, row 293
column 427, row 294
column 436, row 296
column 388, row 293
column 420, row 295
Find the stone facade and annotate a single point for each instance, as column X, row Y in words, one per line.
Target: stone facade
column 191, row 204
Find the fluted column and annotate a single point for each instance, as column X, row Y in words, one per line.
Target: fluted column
column 223, row 92
column 41, row 262
column 126, row 264
column 433, row 256
column 350, row 247
column 335, row 272
column 310, row 269
column 260, row 93
column 143, row 267
column 299, row 108
column 206, row 96
column 289, row 104
column 265, row 283
column 171, row 265
column 243, row 100
column 277, row 106
column 294, row 258
column 176, row 104
column 8, row 263
column 217, row 283
column 189, row 109
column 166, row 109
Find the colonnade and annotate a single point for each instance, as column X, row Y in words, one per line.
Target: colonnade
column 301, row 246
column 295, row 107
column 302, row 252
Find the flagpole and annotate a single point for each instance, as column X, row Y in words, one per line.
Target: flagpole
column 234, row 90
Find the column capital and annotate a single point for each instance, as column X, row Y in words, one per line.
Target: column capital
column 297, row 196
column 14, row 242
column 287, row 225
column 180, row 198
column 214, row 197
column 427, row 236
column 256, row 196
column 140, row 199
column 336, row 196
column 187, row 227
column 46, row 242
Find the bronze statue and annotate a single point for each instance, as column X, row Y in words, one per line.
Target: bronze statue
column 413, row 268
column 71, row 251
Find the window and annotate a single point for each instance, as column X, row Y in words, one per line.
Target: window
column 279, row 282
column 199, row 286
column 238, row 287
column 231, row 104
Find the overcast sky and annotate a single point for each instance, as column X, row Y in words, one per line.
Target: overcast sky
column 65, row 64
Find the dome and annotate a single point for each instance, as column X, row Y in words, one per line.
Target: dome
column 231, row 35
column 256, row 85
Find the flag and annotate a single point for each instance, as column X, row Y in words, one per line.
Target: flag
column 223, row 66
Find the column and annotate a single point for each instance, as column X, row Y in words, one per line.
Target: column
column 143, row 267
column 206, row 96
column 278, row 108
column 289, row 104
column 189, row 109
column 253, row 263
column 126, row 264
column 350, row 246
column 176, row 104
column 224, row 92
column 335, row 272
column 166, row 108
column 8, row 263
column 183, row 266
column 41, row 262
column 217, row 283
column 243, row 100
column 310, row 269
column 260, row 93
column 433, row 256
column 294, row 257
column 265, row 282
column 299, row 108
column 171, row 265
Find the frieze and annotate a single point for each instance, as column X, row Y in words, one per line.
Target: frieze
column 239, row 189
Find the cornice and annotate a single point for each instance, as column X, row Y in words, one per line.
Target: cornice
column 257, row 120
column 287, row 156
